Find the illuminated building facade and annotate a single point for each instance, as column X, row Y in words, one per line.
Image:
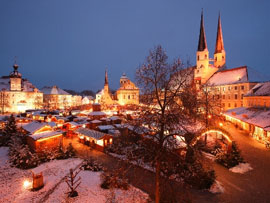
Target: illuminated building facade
column 18, row 94
column 228, row 85
column 56, row 98
column 128, row 93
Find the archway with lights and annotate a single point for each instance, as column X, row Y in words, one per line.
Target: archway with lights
column 220, row 134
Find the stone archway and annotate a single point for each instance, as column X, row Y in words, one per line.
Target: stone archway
column 220, row 131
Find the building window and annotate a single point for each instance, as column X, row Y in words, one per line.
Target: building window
column 235, row 105
column 205, row 56
column 235, row 96
column 133, row 97
column 241, row 104
column 242, row 87
column 224, row 89
column 242, row 96
column 229, row 105
column 215, row 58
column 128, row 96
column 229, row 88
column 223, row 104
column 198, row 58
column 223, row 96
column 235, row 87
column 229, row 96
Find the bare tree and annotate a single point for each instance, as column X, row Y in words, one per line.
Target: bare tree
column 209, row 103
column 3, row 101
column 168, row 103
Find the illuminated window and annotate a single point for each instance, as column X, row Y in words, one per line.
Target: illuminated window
column 224, row 89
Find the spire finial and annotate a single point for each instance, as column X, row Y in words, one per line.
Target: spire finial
column 202, row 39
column 15, row 65
column 106, row 77
column 219, row 41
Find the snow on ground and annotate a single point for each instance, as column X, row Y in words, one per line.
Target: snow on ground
column 216, row 188
column 139, row 162
column 12, row 179
column 209, row 156
column 90, row 191
column 241, row 168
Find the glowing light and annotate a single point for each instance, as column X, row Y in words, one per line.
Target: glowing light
column 26, row 184
column 47, row 138
column 220, row 124
column 217, row 131
column 81, row 137
column 209, row 116
column 100, row 142
column 83, row 126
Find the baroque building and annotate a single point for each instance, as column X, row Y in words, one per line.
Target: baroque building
column 56, row 98
column 127, row 94
column 227, row 85
column 17, row 94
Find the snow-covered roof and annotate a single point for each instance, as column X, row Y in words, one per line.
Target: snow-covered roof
column 45, row 135
column 54, row 90
column 91, row 133
column 52, row 124
column 253, row 116
column 105, row 127
column 74, row 123
column 26, row 85
column 237, row 75
column 261, row 89
column 113, row 118
column 97, row 113
column 95, row 121
column 33, row 126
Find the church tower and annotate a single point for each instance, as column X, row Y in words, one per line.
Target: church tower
column 106, row 83
column 15, row 79
column 219, row 55
column 202, row 55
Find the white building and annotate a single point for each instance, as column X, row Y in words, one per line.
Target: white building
column 18, row 94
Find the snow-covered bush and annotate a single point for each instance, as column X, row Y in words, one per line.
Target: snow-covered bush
column 112, row 180
column 231, row 159
column 9, row 131
column 20, row 155
column 92, row 165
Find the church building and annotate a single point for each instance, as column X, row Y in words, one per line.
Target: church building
column 127, row 94
column 228, row 85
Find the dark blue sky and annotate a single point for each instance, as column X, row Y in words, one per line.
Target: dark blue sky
column 69, row 43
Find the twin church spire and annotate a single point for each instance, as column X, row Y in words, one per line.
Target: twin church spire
column 219, row 55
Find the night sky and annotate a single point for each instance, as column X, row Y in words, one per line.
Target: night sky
column 69, row 43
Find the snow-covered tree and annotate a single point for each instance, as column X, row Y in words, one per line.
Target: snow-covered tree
column 9, row 131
